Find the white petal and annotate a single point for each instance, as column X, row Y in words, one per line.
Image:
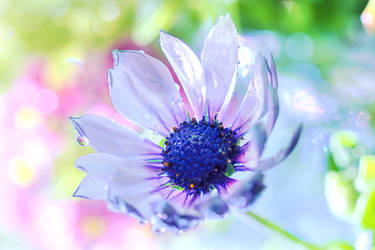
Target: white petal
column 102, row 168
column 188, row 69
column 219, row 60
column 143, row 90
column 243, row 78
column 254, row 105
column 106, row 136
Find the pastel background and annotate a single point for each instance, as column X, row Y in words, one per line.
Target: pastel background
column 54, row 56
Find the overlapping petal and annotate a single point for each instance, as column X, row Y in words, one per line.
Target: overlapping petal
column 101, row 168
column 107, row 136
column 125, row 172
column 219, row 60
column 282, row 153
column 255, row 142
column 143, row 90
column 188, row 69
column 244, row 71
column 254, row 105
column 272, row 99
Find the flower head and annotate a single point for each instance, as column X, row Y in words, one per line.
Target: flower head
column 209, row 158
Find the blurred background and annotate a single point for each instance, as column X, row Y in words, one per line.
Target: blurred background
column 54, row 56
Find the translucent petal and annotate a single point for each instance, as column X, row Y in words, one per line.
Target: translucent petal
column 101, row 168
column 188, row 69
column 245, row 193
column 92, row 187
column 126, row 192
column 143, row 90
column 219, row 60
column 244, row 71
column 213, row 207
column 283, row 153
column 256, row 139
column 169, row 219
column 272, row 98
column 106, row 136
column 109, row 165
column 254, row 105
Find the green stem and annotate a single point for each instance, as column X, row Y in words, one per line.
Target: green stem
column 281, row 231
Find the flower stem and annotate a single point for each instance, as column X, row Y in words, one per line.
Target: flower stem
column 281, row 231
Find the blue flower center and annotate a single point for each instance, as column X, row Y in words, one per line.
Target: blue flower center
column 199, row 156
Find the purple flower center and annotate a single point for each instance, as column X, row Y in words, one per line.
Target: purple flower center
column 199, row 156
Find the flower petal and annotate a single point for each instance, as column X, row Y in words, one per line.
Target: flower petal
column 254, row 105
column 105, row 135
column 219, row 60
column 245, row 193
column 134, row 196
column 272, row 98
column 244, row 72
column 169, row 218
column 143, row 90
column 188, row 69
column 256, row 139
column 282, row 154
column 109, row 165
column 92, row 187
column 213, row 207
column 101, row 168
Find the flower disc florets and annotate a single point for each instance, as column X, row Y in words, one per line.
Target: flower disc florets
column 199, row 156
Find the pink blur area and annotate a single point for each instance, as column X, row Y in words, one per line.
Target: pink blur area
column 38, row 151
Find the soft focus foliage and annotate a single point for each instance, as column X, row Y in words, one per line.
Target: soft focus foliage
column 54, row 57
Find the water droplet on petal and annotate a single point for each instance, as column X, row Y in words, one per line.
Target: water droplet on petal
column 82, row 141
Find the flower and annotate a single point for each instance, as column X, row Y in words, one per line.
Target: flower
column 209, row 159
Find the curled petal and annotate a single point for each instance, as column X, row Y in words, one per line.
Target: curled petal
column 282, row 154
column 272, row 99
column 133, row 196
column 247, row 192
column 188, row 69
column 169, row 219
column 107, row 136
column 143, row 90
column 272, row 72
column 219, row 60
column 214, row 207
column 253, row 149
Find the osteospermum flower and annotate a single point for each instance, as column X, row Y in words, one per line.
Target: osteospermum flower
column 209, row 159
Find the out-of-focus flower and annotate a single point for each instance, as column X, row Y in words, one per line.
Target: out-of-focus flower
column 189, row 167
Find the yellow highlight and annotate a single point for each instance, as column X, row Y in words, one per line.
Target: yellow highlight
column 27, row 118
column 366, row 173
column 368, row 17
column 93, row 226
column 21, row 172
